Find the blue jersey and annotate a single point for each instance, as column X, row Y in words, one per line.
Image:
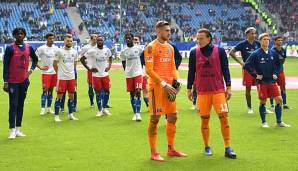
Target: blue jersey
column 265, row 64
column 281, row 54
column 246, row 48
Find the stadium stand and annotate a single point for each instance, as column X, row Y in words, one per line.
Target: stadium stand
column 287, row 10
column 227, row 19
column 36, row 18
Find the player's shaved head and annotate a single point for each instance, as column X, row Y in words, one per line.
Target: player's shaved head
column 67, row 36
column 163, row 30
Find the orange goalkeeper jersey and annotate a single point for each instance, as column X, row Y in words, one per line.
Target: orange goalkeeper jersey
column 160, row 63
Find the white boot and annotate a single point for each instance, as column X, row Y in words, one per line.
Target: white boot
column 134, row 118
column 138, row 117
column 57, row 119
column 71, row 117
column 12, row 134
column 106, row 111
column 99, row 114
column 43, row 111
column 49, row 110
column 19, row 133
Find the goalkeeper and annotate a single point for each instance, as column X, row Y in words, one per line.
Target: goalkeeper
column 209, row 69
column 160, row 67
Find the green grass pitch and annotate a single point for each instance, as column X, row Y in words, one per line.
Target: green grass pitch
column 117, row 143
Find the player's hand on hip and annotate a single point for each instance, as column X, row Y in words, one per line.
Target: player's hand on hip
column 30, row 71
column 259, row 77
column 5, row 87
column 170, row 90
column 274, row 76
column 93, row 70
column 44, row 68
column 189, row 95
column 228, row 93
column 107, row 69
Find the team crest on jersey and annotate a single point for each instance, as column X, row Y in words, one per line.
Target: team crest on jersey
column 11, row 90
column 149, row 59
column 158, row 110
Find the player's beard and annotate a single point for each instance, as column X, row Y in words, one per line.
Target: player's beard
column 130, row 44
column 165, row 38
column 68, row 46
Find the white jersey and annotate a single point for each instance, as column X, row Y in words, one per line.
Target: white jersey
column 47, row 55
column 99, row 59
column 66, row 59
column 131, row 56
column 84, row 50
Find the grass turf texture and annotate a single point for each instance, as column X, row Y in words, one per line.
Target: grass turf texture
column 117, row 143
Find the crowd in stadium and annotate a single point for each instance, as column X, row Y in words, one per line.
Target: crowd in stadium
column 228, row 19
column 287, row 11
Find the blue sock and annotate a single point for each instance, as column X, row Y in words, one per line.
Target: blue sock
column 132, row 102
column 91, row 94
column 249, row 104
column 70, row 106
column 106, row 99
column 284, row 97
column 50, row 99
column 43, row 99
column 278, row 113
column 271, row 102
column 194, row 94
column 57, row 106
column 146, row 100
column 63, row 101
column 98, row 101
column 262, row 110
column 75, row 102
column 138, row 102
